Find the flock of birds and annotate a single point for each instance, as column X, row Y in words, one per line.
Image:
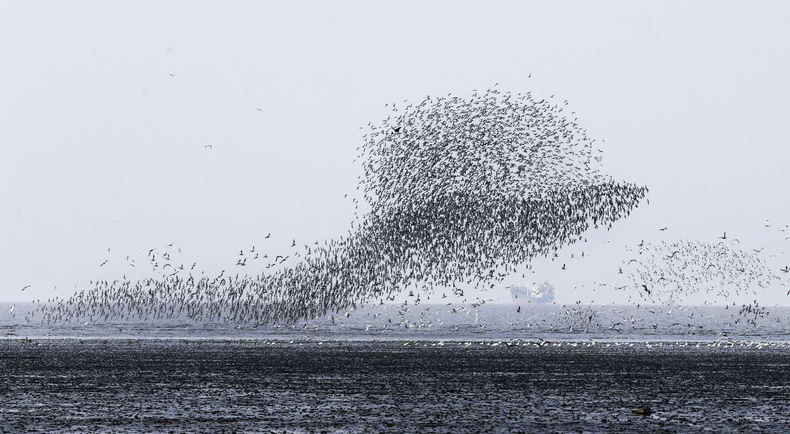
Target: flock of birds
column 462, row 192
column 664, row 271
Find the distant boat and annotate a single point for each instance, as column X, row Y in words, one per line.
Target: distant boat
column 538, row 294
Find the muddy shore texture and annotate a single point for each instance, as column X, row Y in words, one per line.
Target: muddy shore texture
column 257, row 386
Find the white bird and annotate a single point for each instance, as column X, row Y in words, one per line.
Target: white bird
column 768, row 223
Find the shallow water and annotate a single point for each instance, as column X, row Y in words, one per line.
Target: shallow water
column 448, row 322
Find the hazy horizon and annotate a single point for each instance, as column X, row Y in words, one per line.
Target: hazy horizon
column 129, row 128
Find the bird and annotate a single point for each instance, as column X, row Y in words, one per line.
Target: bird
column 209, row 146
column 26, row 287
column 450, row 187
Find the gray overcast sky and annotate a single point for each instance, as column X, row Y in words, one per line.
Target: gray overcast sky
column 100, row 147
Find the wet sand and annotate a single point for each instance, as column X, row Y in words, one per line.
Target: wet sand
column 255, row 386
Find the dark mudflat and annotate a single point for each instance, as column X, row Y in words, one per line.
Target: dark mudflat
column 253, row 386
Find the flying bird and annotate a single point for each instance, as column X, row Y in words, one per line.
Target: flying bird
column 423, row 168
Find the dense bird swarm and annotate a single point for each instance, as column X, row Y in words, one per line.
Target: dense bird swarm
column 462, row 191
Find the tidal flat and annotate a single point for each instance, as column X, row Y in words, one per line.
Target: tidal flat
column 172, row 385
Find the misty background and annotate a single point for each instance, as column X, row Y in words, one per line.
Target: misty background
column 107, row 109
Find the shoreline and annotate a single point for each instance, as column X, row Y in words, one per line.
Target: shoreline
column 722, row 342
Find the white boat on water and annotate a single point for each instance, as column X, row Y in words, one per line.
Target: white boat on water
column 537, row 294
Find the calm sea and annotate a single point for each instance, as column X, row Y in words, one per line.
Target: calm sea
column 443, row 322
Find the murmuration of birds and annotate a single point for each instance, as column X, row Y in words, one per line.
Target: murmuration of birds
column 461, row 191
